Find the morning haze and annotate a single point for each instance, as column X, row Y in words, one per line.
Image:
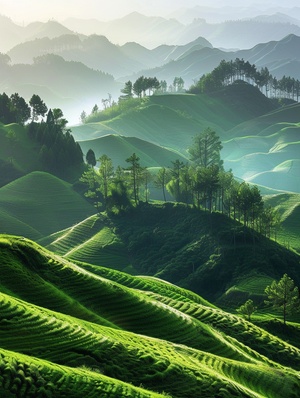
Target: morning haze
column 149, row 199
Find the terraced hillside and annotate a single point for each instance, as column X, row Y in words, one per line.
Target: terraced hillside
column 69, row 330
column 265, row 151
column 38, row 204
column 149, row 240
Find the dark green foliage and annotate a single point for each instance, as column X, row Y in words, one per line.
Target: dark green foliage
column 58, row 153
column 39, row 108
column 284, row 295
column 240, row 72
column 13, row 109
column 91, row 158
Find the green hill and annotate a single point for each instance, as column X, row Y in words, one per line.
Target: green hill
column 39, row 204
column 172, row 120
column 68, row 330
column 259, row 141
column 119, row 148
column 214, row 256
column 265, row 150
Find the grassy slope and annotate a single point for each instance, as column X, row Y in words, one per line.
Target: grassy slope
column 119, row 148
column 153, row 244
column 144, row 332
column 172, row 120
column 38, row 204
column 266, row 150
column 260, row 144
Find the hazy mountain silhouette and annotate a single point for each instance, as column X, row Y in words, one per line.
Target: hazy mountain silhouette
column 149, row 31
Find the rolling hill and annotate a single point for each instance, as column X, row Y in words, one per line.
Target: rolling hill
column 38, row 204
column 265, row 150
column 149, row 241
column 172, row 120
column 94, row 331
column 119, row 148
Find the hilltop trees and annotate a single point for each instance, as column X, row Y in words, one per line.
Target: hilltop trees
column 202, row 182
column 239, row 70
column 13, row 109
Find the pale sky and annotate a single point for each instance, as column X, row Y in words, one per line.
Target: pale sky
column 25, row 11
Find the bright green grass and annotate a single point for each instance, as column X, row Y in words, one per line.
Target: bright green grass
column 92, row 241
column 26, row 376
column 211, row 362
column 43, row 202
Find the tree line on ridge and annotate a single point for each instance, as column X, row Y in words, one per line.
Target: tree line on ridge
column 202, row 182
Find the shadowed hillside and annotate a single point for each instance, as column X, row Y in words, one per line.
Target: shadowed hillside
column 212, row 256
column 145, row 332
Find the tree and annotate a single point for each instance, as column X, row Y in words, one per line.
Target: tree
column 247, row 309
column 59, row 119
column 83, row 117
column 39, row 108
column 21, row 108
column 127, row 90
column 173, row 185
column 106, row 172
column 91, row 158
column 95, row 109
column 135, row 173
column 206, row 149
column 139, row 86
column 283, row 295
column 91, row 179
column 161, row 179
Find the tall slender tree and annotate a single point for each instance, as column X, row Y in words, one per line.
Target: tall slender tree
column 284, row 295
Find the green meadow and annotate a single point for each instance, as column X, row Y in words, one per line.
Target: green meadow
column 99, row 331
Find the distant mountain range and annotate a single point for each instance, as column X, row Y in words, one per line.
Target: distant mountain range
column 88, row 65
column 149, row 31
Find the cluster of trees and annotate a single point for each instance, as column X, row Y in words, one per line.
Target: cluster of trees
column 150, row 84
column 15, row 109
column 139, row 87
column 202, row 182
column 282, row 295
column 228, row 72
column 58, row 151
